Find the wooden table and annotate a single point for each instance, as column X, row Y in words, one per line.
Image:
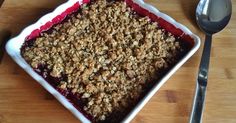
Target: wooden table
column 23, row 100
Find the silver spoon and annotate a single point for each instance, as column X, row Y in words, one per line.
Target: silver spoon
column 212, row 16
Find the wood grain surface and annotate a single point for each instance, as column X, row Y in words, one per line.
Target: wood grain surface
column 23, row 100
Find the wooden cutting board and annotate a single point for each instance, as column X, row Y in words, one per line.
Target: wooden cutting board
column 23, row 100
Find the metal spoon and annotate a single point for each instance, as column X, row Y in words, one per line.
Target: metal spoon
column 212, row 16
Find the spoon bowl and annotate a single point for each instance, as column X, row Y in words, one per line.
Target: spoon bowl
column 213, row 15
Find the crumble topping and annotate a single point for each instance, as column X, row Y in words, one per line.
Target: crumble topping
column 108, row 54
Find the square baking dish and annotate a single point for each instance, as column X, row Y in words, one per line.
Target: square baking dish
column 14, row 45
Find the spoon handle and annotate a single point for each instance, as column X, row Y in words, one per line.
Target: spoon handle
column 198, row 104
column 200, row 93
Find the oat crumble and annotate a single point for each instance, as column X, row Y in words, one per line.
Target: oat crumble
column 107, row 53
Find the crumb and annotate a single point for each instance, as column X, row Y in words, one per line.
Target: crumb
column 107, row 54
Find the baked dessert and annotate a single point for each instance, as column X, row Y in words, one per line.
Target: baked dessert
column 103, row 58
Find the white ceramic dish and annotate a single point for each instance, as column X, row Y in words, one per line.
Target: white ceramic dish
column 13, row 48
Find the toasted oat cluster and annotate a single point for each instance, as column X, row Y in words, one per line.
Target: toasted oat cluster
column 108, row 53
